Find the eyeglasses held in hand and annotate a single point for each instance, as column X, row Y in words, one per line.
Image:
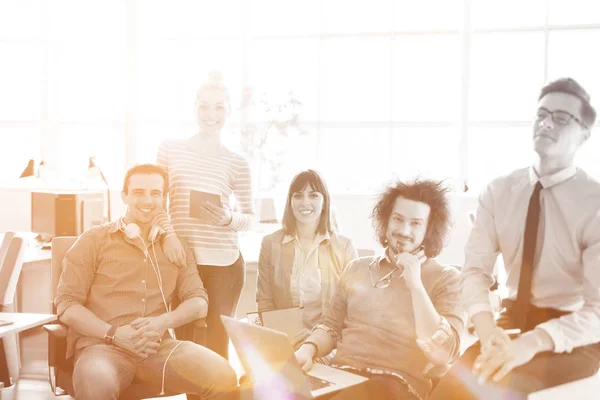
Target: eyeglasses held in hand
column 386, row 280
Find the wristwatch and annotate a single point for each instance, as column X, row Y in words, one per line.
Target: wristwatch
column 109, row 336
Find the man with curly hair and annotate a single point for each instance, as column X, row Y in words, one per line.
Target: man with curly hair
column 395, row 317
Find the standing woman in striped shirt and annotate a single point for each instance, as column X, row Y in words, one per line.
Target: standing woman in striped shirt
column 202, row 163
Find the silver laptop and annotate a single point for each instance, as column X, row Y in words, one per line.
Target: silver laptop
column 268, row 359
column 288, row 320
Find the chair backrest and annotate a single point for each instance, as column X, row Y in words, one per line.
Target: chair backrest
column 10, row 270
column 4, row 246
column 60, row 246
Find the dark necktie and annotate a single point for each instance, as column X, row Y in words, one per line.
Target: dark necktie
column 521, row 306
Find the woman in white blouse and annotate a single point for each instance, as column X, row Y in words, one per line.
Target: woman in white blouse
column 300, row 264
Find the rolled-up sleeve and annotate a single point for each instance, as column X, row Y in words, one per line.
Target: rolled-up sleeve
column 582, row 327
column 77, row 276
column 189, row 284
column 443, row 346
column 481, row 252
column 163, row 221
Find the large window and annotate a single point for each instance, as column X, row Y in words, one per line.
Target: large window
column 442, row 88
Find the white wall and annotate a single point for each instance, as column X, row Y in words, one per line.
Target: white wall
column 353, row 211
column 462, row 205
column 15, row 210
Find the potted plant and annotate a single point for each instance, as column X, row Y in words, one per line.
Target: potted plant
column 268, row 122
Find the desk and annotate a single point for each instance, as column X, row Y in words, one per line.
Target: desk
column 34, row 290
column 23, row 321
column 34, row 295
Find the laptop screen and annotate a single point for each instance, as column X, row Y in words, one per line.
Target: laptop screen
column 269, row 360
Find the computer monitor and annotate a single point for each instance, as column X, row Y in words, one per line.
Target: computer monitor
column 65, row 213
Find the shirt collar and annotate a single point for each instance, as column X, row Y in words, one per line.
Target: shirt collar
column 115, row 226
column 554, row 179
column 318, row 239
column 383, row 258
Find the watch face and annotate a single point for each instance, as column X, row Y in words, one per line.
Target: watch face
column 110, row 335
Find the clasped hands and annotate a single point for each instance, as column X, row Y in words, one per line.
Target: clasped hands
column 500, row 354
column 142, row 336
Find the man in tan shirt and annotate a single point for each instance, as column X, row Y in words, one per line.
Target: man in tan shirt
column 395, row 317
column 114, row 293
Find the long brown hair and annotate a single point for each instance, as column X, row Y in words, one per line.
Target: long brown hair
column 299, row 183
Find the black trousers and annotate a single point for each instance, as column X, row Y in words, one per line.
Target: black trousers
column 224, row 286
column 545, row 370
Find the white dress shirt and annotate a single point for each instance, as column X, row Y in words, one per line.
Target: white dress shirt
column 567, row 261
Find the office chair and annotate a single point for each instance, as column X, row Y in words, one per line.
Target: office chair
column 60, row 369
column 4, row 246
column 11, row 263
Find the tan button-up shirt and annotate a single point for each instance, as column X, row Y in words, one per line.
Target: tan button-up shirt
column 108, row 274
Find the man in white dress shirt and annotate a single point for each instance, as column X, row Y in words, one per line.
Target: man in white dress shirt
column 545, row 220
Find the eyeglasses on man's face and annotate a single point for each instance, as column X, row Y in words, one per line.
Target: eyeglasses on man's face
column 559, row 117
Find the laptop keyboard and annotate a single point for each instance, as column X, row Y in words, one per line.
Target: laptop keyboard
column 316, row 383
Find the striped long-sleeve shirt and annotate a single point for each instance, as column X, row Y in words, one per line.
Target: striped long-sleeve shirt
column 225, row 173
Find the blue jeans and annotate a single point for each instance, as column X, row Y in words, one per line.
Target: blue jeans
column 224, row 287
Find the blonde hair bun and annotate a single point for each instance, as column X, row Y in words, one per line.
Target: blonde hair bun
column 215, row 78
